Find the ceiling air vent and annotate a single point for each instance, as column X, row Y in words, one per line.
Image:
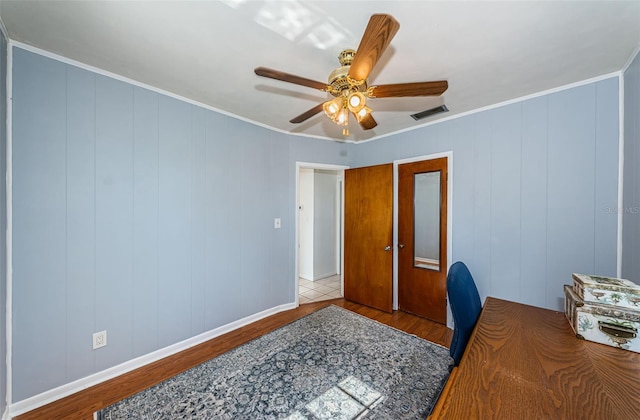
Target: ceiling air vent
column 429, row 112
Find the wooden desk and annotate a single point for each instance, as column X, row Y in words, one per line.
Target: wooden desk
column 524, row 362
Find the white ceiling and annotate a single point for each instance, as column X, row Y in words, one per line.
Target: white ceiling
column 490, row 52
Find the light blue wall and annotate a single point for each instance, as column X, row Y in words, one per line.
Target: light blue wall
column 3, row 220
column 139, row 214
column 532, row 185
column 631, row 176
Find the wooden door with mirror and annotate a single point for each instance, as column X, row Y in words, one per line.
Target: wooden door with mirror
column 368, row 236
column 422, row 238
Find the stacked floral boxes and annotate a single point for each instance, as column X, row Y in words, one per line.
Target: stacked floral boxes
column 605, row 310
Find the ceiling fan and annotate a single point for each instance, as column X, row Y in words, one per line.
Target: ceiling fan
column 349, row 84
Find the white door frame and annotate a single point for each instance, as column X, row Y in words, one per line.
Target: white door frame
column 310, row 165
column 396, row 163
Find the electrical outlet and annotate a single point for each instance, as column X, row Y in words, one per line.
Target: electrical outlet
column 99, row 339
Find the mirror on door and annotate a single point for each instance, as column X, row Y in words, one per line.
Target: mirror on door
column 426, row 216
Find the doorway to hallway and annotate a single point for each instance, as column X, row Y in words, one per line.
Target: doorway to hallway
column 319, row 225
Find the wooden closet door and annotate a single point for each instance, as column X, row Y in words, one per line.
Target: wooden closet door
column 368, row 236
column 422, row 238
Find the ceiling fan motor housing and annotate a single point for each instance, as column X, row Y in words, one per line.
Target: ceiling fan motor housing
column 339, row 80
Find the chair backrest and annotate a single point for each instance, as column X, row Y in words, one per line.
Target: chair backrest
column 465, row 307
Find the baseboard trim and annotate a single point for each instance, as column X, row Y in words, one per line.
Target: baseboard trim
column 62, row 391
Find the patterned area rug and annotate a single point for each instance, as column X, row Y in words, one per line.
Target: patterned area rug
column 331, row 364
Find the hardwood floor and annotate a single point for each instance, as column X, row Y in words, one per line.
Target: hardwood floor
column 83, row 404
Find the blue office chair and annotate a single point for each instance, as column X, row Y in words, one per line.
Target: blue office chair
column 465, row 306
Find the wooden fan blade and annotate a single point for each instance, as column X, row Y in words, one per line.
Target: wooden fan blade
column 376, row 38
column 409, row 89
column 307, row 114
column 291, row 78
column 367, row 123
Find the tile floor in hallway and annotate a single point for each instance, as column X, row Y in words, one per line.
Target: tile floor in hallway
column 315, row 291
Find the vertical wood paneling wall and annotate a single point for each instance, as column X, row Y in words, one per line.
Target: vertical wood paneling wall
column 3, row 220
column 533, row 183
column 631, row 176
column 151, row 218
column 138, row 214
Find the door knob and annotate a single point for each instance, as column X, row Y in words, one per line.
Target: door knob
column 387, row 248
column 400, row 246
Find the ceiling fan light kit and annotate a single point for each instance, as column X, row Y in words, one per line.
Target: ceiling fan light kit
column 348, row 83
column 338, row 108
